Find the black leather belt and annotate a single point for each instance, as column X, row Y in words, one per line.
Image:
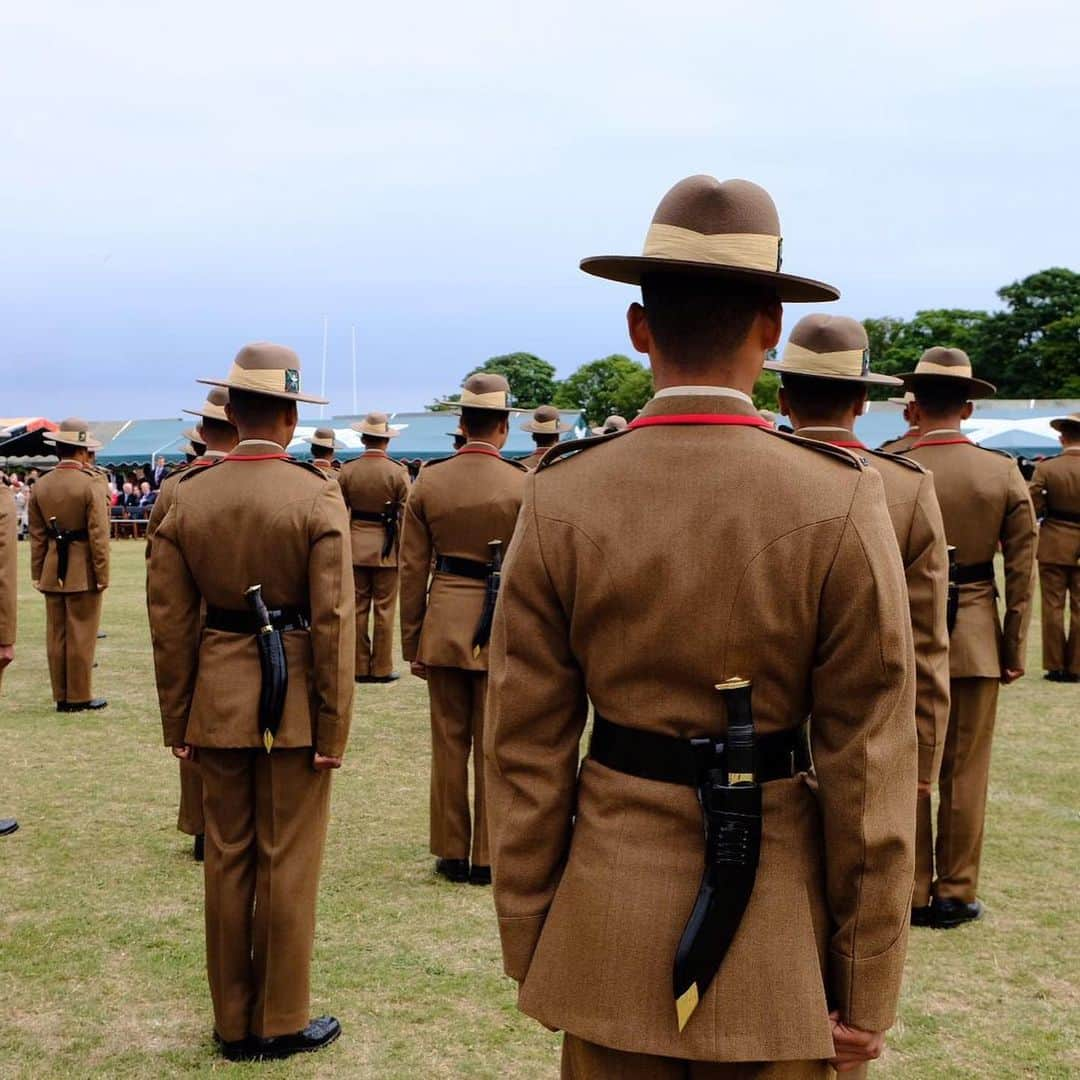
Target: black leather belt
column 653, row 756
column 1063, row 515
column 470, row 568
column 369, row 515
column 68, row 535
column 245, row 622
column 974, row 573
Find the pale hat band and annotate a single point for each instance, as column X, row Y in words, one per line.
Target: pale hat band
column 210, row 411
column 493, row 399
column 955, row 371
column 272, row 380
column 376, row 431
column 853, row 363
column 326, row 444
column 748, row 251
column 73, row 438
column 546, row 427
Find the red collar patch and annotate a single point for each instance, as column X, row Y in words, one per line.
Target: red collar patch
column 479, row 450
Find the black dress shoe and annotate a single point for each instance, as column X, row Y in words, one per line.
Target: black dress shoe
column 948, row 914
column 102, row 634
column 199, row 850
column 81, row 706
column 480, row 875
column 240, row 1050
column 1054, row 676
column 1070, row 677
column 392, row 677
column 319, row 1033
column 922, row 916
column 363, row 679
column 455, row 870
column 8, row 825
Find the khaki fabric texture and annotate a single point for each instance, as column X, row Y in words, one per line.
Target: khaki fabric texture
column 534, row 459
column 1060, row 590
column 71, row 626
column 920, row 533
column 583, row 1060
column 368, row 483
column 73, row 496
column 266, row 819
column 984, row 502
column 900, row 445
column 288, row 531
column 189, row 818
column 1055, row 485
column 9, row 567
column 780, row 566
column 375, row 590
column 457, row 506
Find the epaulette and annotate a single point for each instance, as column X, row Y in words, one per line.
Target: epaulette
column 853, row 458
column 911, row 463
column 572, row 447
column 437, row 461
column 177, row 469
column 192, row 468
column 994, row 450
column 311, row 467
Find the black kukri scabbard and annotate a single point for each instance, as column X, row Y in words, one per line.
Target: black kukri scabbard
column 730, row 799
column 491, row 595
column 62, row 539
column 274, row 668
column 952, row 604
column 390, row 526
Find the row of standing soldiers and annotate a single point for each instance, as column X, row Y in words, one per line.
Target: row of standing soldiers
column 698, row 547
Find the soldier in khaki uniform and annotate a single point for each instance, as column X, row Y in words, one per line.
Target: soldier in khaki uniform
column 610, row 425
column 1055, row 491
column 826, row 373
column 9, row 573
column 323, row 443
column 984, row 502
column 648, row 567
column 456, row 508
column 911, row 436
column 219, row 438
column 546, row 427
column 375, row 489
column 69, row 524
column 258, row 517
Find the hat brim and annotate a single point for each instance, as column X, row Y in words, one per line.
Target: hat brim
column 325, row 445
column 897, row 401
column 1066, row 423
column 629, row 269
column 976, row 388
column 391, row 434
column 284, row 395
column 562, row 429
column 89, row 444
column 223, row 418
column 870, row 377
column 480, row 408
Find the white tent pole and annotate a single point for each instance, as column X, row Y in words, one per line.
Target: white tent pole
column 354, row 370
column 322, row 389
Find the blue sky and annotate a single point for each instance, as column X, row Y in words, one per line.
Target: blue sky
column 176, row 180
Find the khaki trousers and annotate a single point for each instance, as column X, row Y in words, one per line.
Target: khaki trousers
column 190, row 819
column 457, row 726
column 376, row 596
column 1060, row 588
column 583, row 1060
column 965, row 778
column 71, row 626
column 266, row 817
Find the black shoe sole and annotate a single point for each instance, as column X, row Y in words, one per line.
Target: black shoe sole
column 280, row 1055
column 952, row 923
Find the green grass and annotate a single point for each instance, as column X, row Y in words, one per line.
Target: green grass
column 101, row 953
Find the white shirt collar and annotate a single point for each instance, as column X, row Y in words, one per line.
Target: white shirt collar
column 216, row 454
column 1070, row 449
column 830, row 429
column 704, row 391
column 944, row 431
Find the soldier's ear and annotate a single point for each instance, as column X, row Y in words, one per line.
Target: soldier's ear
column 969, row 408
column 771, row 321
column 637, row 323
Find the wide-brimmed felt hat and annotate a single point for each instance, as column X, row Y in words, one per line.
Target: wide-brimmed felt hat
column 612, row 423
column 73, row 432
column 213, row 408
column 725, row 229
column 907, row 399
column 484, row 390
column 546, row 421
column 265, row 368
column 324, row 437
column 459, row 434
column 938, row 364
column 829, row 347
column 1070, row 423
column 193, row 435
column 189, row 448
column 377, row 425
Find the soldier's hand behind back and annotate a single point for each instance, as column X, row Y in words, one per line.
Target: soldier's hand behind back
column 853, row 1045
column 7, row 654
column 1011, row 675
column 322, row 762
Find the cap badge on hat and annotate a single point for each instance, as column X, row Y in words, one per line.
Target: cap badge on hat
column 292, row 381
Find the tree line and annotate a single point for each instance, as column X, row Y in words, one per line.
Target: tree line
column 1030, row 348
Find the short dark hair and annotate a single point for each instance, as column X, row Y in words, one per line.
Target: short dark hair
column 219, row 429
column 374, row 442
column 811, row 397
column 480, row 422
column 323, row 453
column 695, row 318
column 252, row 409
column 65, row 451
column 544, row 438
column 939, row 396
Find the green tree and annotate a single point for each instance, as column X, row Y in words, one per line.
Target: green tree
column 532, row 380
column 612, row 384
column 766, row 391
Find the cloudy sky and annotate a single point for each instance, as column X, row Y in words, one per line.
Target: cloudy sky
column 177, row 179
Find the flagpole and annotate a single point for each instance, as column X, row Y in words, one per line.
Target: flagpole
column 322, row 391
column 354, row 370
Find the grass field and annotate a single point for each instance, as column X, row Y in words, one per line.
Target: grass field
column 101, row 952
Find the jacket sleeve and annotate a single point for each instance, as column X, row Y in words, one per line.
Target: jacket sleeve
column 333, row 619
column 864, row 748
column 97, row 525
column 1019, row 540
column 1037, row 491
column 927, row 571
column 157, row 514
column 415, row 571
column 9, row 569
column 39, row 542
column 175, row 608
column 536, row 712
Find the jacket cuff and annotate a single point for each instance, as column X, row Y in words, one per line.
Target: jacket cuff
column 519, row 937
column 930, row 762
column 867, row 991
column 175, row 731
column 331, row 739
column 409, row 649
